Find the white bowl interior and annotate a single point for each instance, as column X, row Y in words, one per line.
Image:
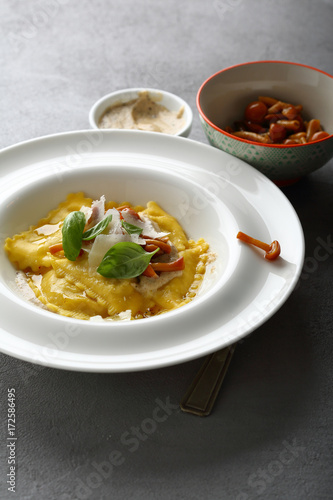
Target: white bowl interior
column 174, row 193
column 171, row 101
column 224, row 96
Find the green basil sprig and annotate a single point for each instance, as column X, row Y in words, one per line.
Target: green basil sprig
column 98, row 229
column 125, row 260
column 130, row 228
column 72, row 233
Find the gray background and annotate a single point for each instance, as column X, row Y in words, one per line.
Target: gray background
column 270, row 435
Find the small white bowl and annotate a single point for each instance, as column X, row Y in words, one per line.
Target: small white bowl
column 171, row 101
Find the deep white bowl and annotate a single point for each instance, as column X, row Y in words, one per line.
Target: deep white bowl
column 222, row 98
column 171, row 101
column 210, row 193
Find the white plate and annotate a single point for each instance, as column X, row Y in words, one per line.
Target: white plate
column 213, row 194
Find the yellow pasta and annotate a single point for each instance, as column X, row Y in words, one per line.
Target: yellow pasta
column 75, row 289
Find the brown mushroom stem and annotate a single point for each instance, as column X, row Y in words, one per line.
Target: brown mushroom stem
column 272, row 251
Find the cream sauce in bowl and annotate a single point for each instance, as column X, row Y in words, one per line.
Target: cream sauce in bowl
column 143, row 113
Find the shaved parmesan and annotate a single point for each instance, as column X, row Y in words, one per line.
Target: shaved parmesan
column 97, row 212
column 115, row 226
column 115, row 233
column 148, row 227
column 87, row 212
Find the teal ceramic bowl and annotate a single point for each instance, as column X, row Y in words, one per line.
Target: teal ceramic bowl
column 222, row 98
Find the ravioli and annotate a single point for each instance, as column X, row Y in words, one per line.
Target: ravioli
column 76, row 289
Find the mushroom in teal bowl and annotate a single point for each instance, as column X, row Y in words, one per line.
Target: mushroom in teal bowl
column 224, row 103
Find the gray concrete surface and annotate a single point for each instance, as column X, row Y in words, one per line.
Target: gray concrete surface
column 87, row 436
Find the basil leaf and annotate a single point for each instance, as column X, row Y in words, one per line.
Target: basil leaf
column 72, row 230
column 130, row 228
column 96, row 230
column 125, row 260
